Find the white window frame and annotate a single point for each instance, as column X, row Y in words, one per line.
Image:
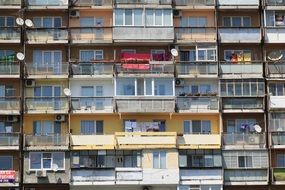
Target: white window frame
column 52, row 17
column 206, row 50
column 231, row 20
column 11, row 157
column 99, row 52
column 52, row 52
column 159, row 159
column 191, row 126
column 52, row 153
column 162, row 17
column 52, row 91
column 5, row 18
column 133, row 17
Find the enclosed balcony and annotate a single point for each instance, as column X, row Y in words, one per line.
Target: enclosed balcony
column 93, row 3
column 46, row 142
column 142, row 2
column 145, row 105
column 244, row 140
column 274, row 3
column 145, row 140
column 85, row 35
column 47, row 4
column 249, row 176
column 197, row 104
column 92, row 142
column 10, row 69
column 240, row 35
column 10, row 35
column 92, row 69
column 93, row 176
column 9, row 141
column 275, row 69
column 199, row 141
column 46, row 105
column 199, row 4
column 197, row 69
column 242, row 105
column 54, row 70
column 276, row 102
column 192, row 35
column 274, row 35
column 241, row 70
column 47, row 36
column 238, row 4
column 10, row 4
column 200, row 175
column 278, row 176
column 278, row 139
column 10, row 105
column 92, row 104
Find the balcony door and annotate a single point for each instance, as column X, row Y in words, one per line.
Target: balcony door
column 47, row 62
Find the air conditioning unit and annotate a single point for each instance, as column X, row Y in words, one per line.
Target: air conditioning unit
column 30, row 83
column 177, row 13
column 146, row 188
column 253, row 140
column 74, row 13
column 41, row 173
column 60, row 118
column 179, row 82
column 12, row 118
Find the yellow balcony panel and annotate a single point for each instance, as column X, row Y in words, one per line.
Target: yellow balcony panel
column 146, row 140
column 92, row 142
column 201, row 141
column 56, row 105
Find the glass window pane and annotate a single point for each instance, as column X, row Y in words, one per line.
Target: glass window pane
column 162, row 160
column 167, row 19
column 246, row 21
column 10, row 21
column 196, row 126
column 6, row 162
column 236, row 21
column 57, row 22
column 186, row 127
column 119, row 15
column 149, row 17
column 138, row 17
column 47, row 22
column 227, row 21
column 35, row 160
column 158, row 17
column 58, row 160
column 128, row 17
column 156, row 160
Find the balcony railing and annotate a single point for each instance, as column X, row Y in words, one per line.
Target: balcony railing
column 190, row 34
column 46, row 104
column 10, row 3
column 242, row 68
column 278, row 174
column 92, row 69
column 201, row 174
column 10, row 35
column 47, row 2
column 43, row 70
column 246, row 175
column 194, row 2
column 194, row 69
column 131, row 105
column 276, row 69
column 87, row 175
column 99, row 3
column 92, row 104
column 159, row 2
column 91, row 35
column 156, row 68
column 240, row 35
column 278, row 138
column 131, row 140
column 10, row 104
column 81, row 142
column 243, row 139
column 9, row 139
column 43, row 35
column 242, row 103
column 199, row 141
column 276, row 102
column 274, row 35
column 274, row 3
column 238, row 3
column 197, row 104
column 46, row 140
column 7, row 69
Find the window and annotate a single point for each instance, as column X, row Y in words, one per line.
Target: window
column 46, row 127
column 277, row 89
column 280, row 160
column 189, row 55
column 46, row 160
column 194, row 21
column 91, row 22
column 6, row 53
column 134, row 126
column 236, row 56
column 277, row 122
column 197, row 127
column 91, row 55
column 159, row 159
column 6, row 162
column 47, row 58
column 245, row 161
column 237, row 21
column 7, row 21
column 128, row 17
column 206, row 54
column 91, row 127
column 197, row 89
column 47, row 91
column 242, row 88
column 158, row 17
column 47, row 22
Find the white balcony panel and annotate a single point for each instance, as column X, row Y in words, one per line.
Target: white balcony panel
column 275, row 35
column 240, row 35
column 239, row 3
column 277, row 102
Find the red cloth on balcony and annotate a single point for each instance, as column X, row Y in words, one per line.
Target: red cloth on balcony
column 135, row 57
column 135, row 66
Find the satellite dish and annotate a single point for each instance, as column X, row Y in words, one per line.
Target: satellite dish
column 55, row 167
column 257, row 128
column 174, row 52
column 20, row 21
column 275, row 56
column 29, row 23
column 20, row 56
column 67, row 92
column 279, row 129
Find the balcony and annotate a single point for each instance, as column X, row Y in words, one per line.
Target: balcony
column 47, row 36
column 197, row 104
column 240, row 35
column 46, row 105
column 54, row 70
column 47, row 4
column 145, row 105
column 10, row 35
column 199, row 141
column 244, row 140
column 276, row 102
column 201, row 4
column 156, row 2
column 274, row 3
column 238, row 4
column 10, row 4
column 278, row 139
column 104, row 176
column 92, row 69
column 145, row 140
column 128, row 175
column 197, row 69
column 162, row 68
column 92, row 142
column 275, row 70
column 249, row 176
column 92, row 105
column 9, row 69
column 274, row 35
column 201, row 176
column 143, row 34
column 9, row 141
column 192, row 35
column 46, row 142
column 91, row 35
column 242, row 105
column 278, row 176
column 10, row 105
column 9, row 178
column 241, row 70
column 93, row 3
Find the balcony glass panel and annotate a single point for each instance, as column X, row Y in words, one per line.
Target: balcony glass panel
column 47, row 69
column 242, row 68
column 9, row 68
column 10, row 104
column 244, row 103
column 277, row 122
column 197, row 68
column 10, row 2
column 47, row 35
column 47, row 2
column 9, row 139
column 47, row 104
column 10, row 34
column 243, row 139
column 197, row 104
column 194, row 2
column 84, row 35
column 195, row 34
column 92, row 103
column 245, row 175
column 274, row 3
column 276, row 68
column 278, row 138
column 95, row 68
column 46, row 140
column 82, row 3
column 240, row 35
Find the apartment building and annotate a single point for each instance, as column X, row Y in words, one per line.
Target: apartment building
column 142, row 94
